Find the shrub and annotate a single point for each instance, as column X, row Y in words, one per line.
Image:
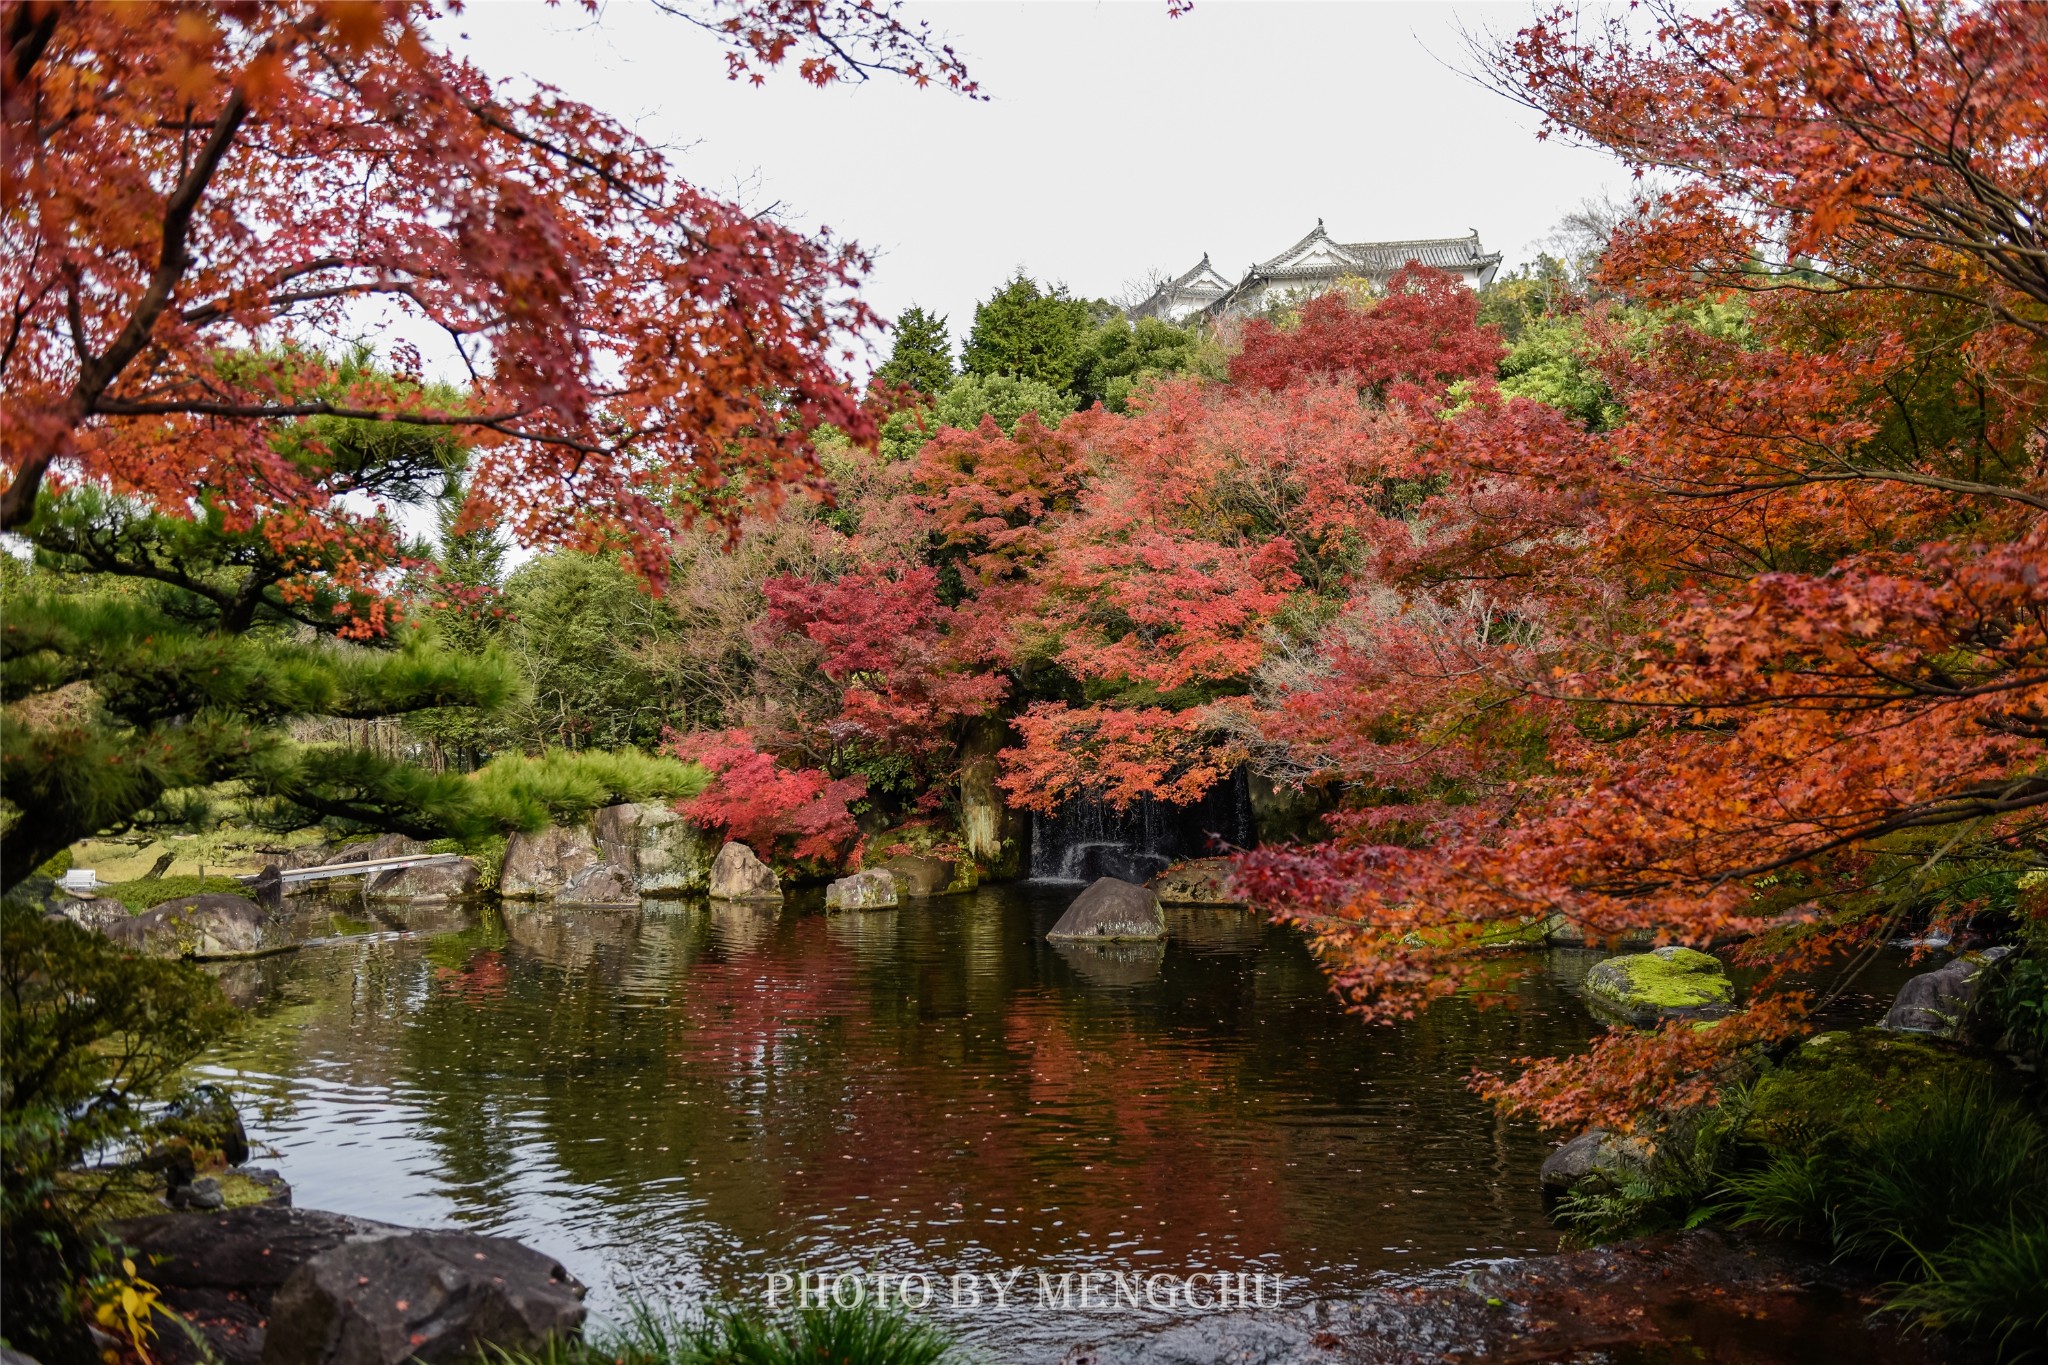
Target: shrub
column 90, row 1039
column 861, row 1335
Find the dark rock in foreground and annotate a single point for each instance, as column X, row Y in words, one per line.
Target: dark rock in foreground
column 420, row 1296
column 1112, row 909
column 281, row 1286
column 1595, row 1157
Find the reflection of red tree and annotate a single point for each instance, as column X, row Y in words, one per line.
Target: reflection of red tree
column 1042, row 1115
column 481, row 978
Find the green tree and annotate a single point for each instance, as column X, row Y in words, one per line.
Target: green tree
column 584, row 635
column 1118, row 356
column 1027, row 332
column 922, row 358
column 968, row 399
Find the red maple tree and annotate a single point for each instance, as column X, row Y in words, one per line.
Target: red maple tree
column 184, row 182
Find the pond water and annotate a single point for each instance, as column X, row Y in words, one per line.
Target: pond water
column 680, row 1100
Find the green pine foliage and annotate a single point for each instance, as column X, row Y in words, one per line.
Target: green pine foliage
column 922, row 358
column 1028, row 332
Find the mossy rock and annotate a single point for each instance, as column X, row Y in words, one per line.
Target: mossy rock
column 1843, row 1088
column 1665, row 983
column 1530, row 932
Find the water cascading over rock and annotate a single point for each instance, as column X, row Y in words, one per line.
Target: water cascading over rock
column 1088, row 838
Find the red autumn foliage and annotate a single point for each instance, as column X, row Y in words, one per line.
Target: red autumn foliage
column 180, row 178
column 1423, row 336
column 1783, row 628
column 783, row 814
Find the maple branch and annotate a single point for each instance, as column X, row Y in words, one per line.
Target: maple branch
column 1905, row 476
column 18, row 502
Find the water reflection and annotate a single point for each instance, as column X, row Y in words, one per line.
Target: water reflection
column 679, row 1099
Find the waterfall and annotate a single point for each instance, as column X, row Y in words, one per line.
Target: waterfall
column 1087, row 838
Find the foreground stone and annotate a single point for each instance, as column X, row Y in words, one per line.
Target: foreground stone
column 1665, row 983
column 919, row 875
column 1114, row 910
column 874, row 889
column 1595, row 1158
column 420, row 1296
column 660, row 851
column 432, row 884
column 284, row 1286
column 537, row 866
column 214, row 925
column 1942, row 1003
column 1200, row 881
column 737, row 875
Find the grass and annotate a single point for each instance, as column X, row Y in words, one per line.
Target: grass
column 832, row 1335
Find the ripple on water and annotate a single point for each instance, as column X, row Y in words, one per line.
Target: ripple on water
column 676, row 1101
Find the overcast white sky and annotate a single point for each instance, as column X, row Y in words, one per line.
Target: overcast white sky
column 1115, row 139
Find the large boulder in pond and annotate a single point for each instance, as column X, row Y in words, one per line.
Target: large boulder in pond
column 661, row 851
column 919, row 875
column 421, row 1296
column 874, row 889
column 1199, row 881
column 1665, row 983
column 431, row 883
column 213, row 925
column 737, row 875
column 1114, row 910
column 538, row 866
column 598, row 884
column 1941, row 1003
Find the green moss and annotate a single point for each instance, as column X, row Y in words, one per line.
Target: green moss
column 1644, row 986
column 239, row 1191
column 1530, row 932
column 1845, row 1088
column 144, row 894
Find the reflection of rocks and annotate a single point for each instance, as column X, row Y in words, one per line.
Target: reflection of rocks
column 743, row 926
column 1113, row 964
column 538, row 866
column 1200, row 881
column 206, row 926
column 449, row 881
column 661, row 851
column 568, row 939
column 874, row 889
column 867, row 932
column 1215, row 929
column 737, row 875
column 430, row 917
column 1112, row 909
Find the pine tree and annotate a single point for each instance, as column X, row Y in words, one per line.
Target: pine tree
column 1024, row 331
column 923, row 355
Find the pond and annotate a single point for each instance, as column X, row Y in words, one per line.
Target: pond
column 683, row 1099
